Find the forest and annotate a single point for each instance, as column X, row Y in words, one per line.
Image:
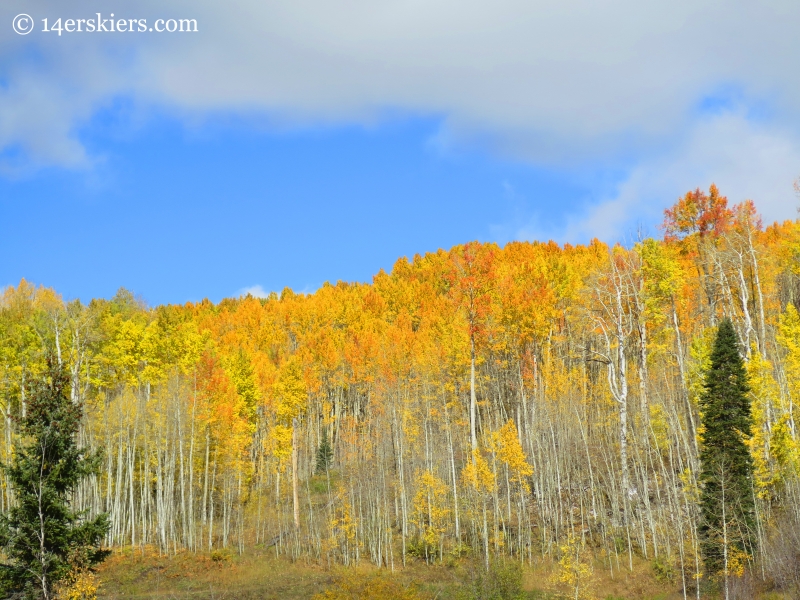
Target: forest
column 533, row 401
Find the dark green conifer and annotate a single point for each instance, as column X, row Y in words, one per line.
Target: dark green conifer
column 726, row 466
column 324, row 453
column 42, row 536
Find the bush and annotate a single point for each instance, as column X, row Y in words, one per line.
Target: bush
column 220, row 556
column 503, row 581
column 417, row 547
column 663, row 570
column 354, row 585
column 78, row 585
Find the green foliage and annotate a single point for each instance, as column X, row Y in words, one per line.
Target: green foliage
column 417, row 547
column 324, row 453
column 726, row 477
column 503, row 581
column 325, row 483
column 318, row 485
column 663, row 570
column 43, row 538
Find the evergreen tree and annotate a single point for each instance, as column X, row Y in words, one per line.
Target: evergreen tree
column 726, row 475
column 42, row 536
column 324, row 453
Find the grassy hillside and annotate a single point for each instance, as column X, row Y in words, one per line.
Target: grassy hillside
column 220, row 575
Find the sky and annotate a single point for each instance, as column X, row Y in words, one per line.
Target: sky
column 285, row 144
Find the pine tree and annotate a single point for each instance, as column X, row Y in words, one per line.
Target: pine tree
column 44, row 539
column 324, row 453
column 726, row 476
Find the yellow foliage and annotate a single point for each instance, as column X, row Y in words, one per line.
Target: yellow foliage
column 699, row 363
column 79, row 585
column 122, row 355
column 342, row 526
column 662, row 274
column 784, row 446
column 189, row 344
column 737, row 561
column 574, row 570
column 282, row 441
column 509, row 450
column 659, row 426
column 478, row 475
column 290, row 391
column 689, row 485
column 207, row 394
column 291, row 398
column 239, row 369
column 788, row 337
column 353, row 585
column 765, row 397
column 431, row 510
column 410, row 426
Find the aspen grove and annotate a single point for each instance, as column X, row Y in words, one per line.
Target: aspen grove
column 482, row 401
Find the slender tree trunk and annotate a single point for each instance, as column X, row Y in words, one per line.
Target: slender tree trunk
column 472, row 399
column 295, row 501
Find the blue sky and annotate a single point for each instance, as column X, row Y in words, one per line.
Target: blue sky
column 180, row 214
column 291, row 144
column 177, row 214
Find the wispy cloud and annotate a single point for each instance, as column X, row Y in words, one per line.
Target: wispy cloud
column 746, row 158
column 256, row 291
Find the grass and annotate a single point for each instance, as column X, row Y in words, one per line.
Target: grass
column 213, row 577
column 224, row 575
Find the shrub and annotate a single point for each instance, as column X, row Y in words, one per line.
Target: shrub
column 354, row 585
column 503, row 581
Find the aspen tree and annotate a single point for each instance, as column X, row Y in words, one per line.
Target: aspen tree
column 471, row 288
column 188, row 400
column 290, row 391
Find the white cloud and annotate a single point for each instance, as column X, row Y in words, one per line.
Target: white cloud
column 745, row 158
column 549, row 81
column 256, row 291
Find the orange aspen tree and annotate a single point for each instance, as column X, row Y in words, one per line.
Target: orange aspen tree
column 471, row 286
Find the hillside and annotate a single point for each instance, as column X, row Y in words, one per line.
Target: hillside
column 531, row 401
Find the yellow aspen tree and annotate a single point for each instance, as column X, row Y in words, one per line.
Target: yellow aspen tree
column 290, row 393
column 431, row 511
column 574, row 570
column 480, row 477
column 788, row 337
column 765, row 394
column 509, row 450
column 507, row 447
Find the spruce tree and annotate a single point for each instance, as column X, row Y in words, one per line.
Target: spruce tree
column 726, row 475
column 42, row 536
column 324, row 453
